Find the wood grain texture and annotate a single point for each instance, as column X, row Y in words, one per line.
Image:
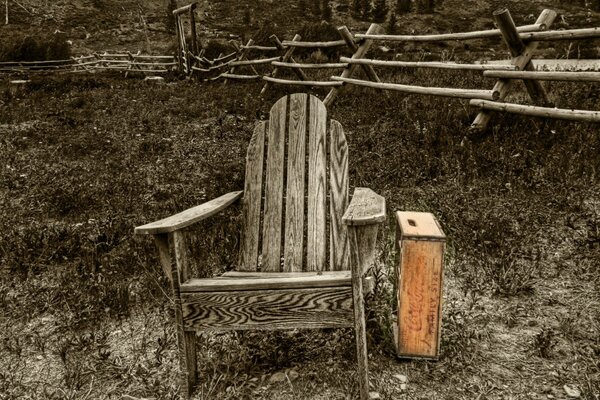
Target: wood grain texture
column 366, row 207
column 317, row 186
column 268, row 309
column 252, row 200
column 189, row 216
column 186, row 342
column 274, row 188
column 302, row 280
column 535, row 111
column 356, row 262
column 338, row 199
column 294, row 213
column 162, row 244
column 421, row 225
column 419, row 298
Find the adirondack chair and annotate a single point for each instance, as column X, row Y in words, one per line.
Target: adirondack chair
column 289, row 283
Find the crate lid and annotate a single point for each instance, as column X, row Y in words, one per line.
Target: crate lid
column 419, row 225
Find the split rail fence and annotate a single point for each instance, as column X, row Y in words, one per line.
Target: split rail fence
column 252, row 62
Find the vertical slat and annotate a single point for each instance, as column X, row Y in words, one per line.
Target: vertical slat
column 274, row 188
column 338, row 201
column 317, row 158
column 252, row 199
column 294, row 206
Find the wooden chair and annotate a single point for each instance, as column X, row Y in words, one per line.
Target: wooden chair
column 289, row 283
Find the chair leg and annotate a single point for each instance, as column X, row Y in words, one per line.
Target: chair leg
column 361, row 349
column 188, row 361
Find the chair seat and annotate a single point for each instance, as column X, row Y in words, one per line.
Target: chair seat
column 241, row 281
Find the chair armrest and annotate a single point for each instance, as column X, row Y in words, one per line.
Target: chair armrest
column 366, row 208
column 189, row 216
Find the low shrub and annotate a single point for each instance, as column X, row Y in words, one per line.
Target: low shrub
column 29, row 48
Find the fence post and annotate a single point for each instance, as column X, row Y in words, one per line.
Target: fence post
column 361, row 50
column 347, row 36
column 286, row 57
column 241, row 56
column 521, row 59
column 193, row 28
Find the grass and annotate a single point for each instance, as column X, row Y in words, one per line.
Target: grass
column 86, row 311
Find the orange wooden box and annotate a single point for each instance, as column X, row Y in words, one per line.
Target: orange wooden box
column 420, row 268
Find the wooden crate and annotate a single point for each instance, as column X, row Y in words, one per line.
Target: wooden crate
column 420, row 268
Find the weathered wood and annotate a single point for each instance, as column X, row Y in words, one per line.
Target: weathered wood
column 359, row 312
column 426, row 90
column 419, row 225
column 535, row 111
column 570, row 34
column 193, row 30
column 302, row 280
column 252, row 199
column 502, row 86
column 440, row 37
column 420, row 298
column 242, row 53
column 366, row 207
column 338, row 203
column 301, row 83
column 546, row 75
column 268, row 309
column 350, row 42
column 240, row 77
column 274, row 188
column 186, row 340
column 308, row 66
column 294, row 214
column 286, row 57
column 317, row 186
column 253, row 62
column 349, row 71
column 333, row 43
column 185, row 8
column 517, row 48
column 428, row 64
column 189, row 216
column 261, row 48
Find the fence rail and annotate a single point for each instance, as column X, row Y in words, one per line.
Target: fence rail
column 521, row 42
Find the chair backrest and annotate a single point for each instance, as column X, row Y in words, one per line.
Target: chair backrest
column 296, row 191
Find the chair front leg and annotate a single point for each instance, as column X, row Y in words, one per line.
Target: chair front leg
column 362, row 245
column 175, row 263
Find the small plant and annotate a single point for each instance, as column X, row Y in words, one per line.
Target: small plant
column 544, row 342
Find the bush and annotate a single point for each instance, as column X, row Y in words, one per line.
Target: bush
column 29, row 48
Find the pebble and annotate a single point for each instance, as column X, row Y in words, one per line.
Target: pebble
column 374, row 396
column 156, row 79
column 401, row 378
column 293, row 374
column 572, row 391
column 277, row 377
column 403, row 386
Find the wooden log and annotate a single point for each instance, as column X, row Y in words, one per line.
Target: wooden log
column 261, row 48
column 146, row 56
column 193, row 30
column 535, row 111
column 316, row 45
column 185, row 8
column 286, row 57
column 428, row 64
column 242, row 53
column 301, row 83
column 268, row 309
column 545, row 75
column 502, row 86
column 309, row 66
column 359, row 53
column 253, row 62
column 490, row 33
column 34, row 63
column 571, row 34
column 429, row 91
column 517, row 48
column 350, row 42
column 240, row 77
